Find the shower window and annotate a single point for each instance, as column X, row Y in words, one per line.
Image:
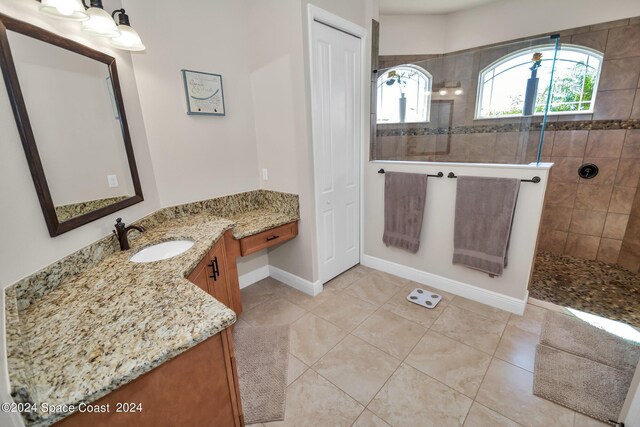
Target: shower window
column 404, row 95
column 509, row 87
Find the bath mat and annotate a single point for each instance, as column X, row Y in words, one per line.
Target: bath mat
column 262, row 359
column 589, row 387
column 424, row 298
column 577, row 337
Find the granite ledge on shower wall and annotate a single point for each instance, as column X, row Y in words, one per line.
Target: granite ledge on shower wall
column 101, row 325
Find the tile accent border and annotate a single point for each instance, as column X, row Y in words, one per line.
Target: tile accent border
column 423, row 129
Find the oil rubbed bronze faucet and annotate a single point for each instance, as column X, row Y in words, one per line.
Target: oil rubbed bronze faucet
column 121, row 232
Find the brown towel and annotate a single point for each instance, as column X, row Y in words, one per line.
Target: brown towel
column 484, row 213
column 404, row 197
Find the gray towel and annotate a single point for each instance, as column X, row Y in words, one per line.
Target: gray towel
column 404, row 197
column 484, row 213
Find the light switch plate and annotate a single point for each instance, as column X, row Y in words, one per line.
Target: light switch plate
column 113, row 181
column 265, row 174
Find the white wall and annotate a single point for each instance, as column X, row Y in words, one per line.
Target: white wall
column 412, row 34
column 26, row 244
column 196, row 157
column 494, row 23
column 432, row 263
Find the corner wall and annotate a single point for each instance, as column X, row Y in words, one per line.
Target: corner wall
column 281, row 102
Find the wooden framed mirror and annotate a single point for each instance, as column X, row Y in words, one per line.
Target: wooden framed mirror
column 70, row 116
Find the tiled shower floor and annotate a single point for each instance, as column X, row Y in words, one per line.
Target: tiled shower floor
column 592, row 286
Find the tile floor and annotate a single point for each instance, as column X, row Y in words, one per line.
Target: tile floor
column 362, row 355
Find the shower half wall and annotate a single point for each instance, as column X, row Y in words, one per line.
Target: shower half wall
column 591, row 219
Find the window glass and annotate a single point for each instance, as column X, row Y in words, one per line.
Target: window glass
column 502, row 86
column 404, row 95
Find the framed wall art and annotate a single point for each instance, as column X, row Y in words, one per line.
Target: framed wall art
column 204, row 93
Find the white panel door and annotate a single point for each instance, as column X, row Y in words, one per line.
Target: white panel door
column 336, row 90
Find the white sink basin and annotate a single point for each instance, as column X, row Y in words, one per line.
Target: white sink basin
column 162, row 251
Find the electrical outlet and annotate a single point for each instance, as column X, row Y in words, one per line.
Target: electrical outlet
column 265, row 174
column 113, row 181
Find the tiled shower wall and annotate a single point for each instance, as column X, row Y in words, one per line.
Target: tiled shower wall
column 593, row 219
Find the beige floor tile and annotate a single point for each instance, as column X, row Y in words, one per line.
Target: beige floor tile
column 373, row 288
column 411, row 398
column 508, row 390
column 584, row 421
column 277, row 311
column 306, row 301
column 390, row 278
column 296, row 368
column 313, row 401
column 480, row 416
column 312, row 337
column 391, row 333
column 369, row 419
column 398, row 304
column 470, row 328
column 345, row 279
column 457, row 365
column 531, row 321
column 485, row 310
column 356, row 367
column 344, row 310
column 518, row 347
column 255, row 295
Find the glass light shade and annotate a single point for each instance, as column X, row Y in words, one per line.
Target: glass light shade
column 72, row 10
column 458, row 92
column 100, row 23
column 442, row 92
column 128, row 39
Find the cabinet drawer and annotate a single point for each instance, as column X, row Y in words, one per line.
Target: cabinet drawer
column 266, row 239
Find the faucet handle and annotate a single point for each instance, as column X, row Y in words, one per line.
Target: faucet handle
column 119, row 224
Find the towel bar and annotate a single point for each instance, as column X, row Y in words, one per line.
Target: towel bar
column 535, row 179
column 439, row 175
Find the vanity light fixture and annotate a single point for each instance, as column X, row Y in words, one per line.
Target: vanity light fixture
column 128, row 38
column 100, row 23
column 96, row 21
column 72, row 10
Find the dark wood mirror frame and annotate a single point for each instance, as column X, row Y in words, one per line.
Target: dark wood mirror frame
column 26, row 133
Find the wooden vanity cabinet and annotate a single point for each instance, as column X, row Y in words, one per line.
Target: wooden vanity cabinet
column 213, row 275
column 196, row 388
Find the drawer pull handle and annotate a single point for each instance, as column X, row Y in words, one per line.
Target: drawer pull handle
column 272, row 238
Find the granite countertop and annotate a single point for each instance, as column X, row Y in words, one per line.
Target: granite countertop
column 120, row 319
column 257, row 221
column 117, row 319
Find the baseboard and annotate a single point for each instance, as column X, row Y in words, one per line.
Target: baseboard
column 253, row 276
column 494, row 299
column 303, row 285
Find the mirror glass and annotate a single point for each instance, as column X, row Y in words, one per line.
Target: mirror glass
column 70, row 101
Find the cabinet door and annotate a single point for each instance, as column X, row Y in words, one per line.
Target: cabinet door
column 196, row 388
column 219, row 282
column 200, row 275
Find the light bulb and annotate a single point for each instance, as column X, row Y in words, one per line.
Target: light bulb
column 442, row 92
column 100, row 23
column 128, row 39
column 458, row 92
column 72, row 10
